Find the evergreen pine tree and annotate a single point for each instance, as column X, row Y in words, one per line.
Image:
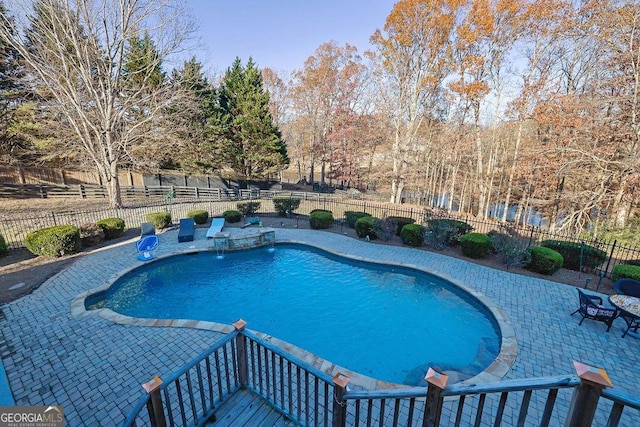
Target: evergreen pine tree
column 142, row 64
column 250, row 143
column 16, row 121
column 192, row 80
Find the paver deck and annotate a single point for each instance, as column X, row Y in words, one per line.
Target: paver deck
column 94, row 368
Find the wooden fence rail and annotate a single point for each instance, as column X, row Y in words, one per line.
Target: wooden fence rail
column 84, row 191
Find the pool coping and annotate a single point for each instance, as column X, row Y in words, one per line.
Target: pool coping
column 494, row 372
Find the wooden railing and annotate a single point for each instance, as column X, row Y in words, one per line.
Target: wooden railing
column 310, row 397
column 193, row 393
column 298, row 389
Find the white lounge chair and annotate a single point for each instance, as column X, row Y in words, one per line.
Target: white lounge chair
column 216, row 227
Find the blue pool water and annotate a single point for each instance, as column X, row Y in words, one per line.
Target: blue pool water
column 386, row 322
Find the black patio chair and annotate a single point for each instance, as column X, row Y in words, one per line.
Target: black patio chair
column 627, row 287
column 591, row 308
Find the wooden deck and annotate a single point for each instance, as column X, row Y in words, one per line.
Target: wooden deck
column 246, row 408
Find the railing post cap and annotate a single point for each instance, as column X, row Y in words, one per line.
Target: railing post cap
column 592, row 374
column 152, row 384
column 436, row 378
column 239, row 324
column 341, row 379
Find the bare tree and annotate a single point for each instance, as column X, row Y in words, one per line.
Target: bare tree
column 618, row 28
column 413, row 54
column 76, row 53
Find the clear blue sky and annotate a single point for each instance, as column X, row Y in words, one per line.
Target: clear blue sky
column 282, row 34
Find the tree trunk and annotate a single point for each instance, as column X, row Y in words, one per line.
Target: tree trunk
column 399, row 190
column 441, row 198
column 512, row 171
column 480, row 172
column 452, row 184
column 621, row 207
column 113, row 186
column 518, row 214
column 553, row 221
column 490, row 166
column 395, row 173
column 463, row 195
column 311, row 171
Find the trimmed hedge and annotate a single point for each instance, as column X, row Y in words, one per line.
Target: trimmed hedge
column 285, row 205
column 320, row 220
column 401, row 221
column 112, row 227
column 232, row 215
column 412, row 234
column 350, row 217
column 199, row 216
column 625, row 271
column 159, row 220
column 320, row 210
column 248, row 208
column 632, row 262
column 365, row 226
column 4, row 247
column 475, row 245
column 592, row 257
column 545, row 260
column 54, row 241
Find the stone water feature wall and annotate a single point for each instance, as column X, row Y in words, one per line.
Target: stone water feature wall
column 245, row 240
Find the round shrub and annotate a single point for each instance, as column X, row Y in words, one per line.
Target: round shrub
column 232, row 215
column 112, row 227
column 350, row 217
column 285, row 205
column 248, row 208
column 475, row 245
column 4, row 247
column 54, row 241
column 401, row 221
column 625, row 271
column 91, row 235
column 592, row 257
column 320, row 210
column 320, row 220
column 199, row 216
column 412, row 235
column 365, row 226
column 545, row 260
column 159, row 220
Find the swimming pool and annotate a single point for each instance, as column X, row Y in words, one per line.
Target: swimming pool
column 382, row 321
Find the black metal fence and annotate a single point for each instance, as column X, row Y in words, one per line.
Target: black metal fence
column 179, row 200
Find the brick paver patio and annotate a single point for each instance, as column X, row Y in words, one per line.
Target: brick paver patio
column 94, row 368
